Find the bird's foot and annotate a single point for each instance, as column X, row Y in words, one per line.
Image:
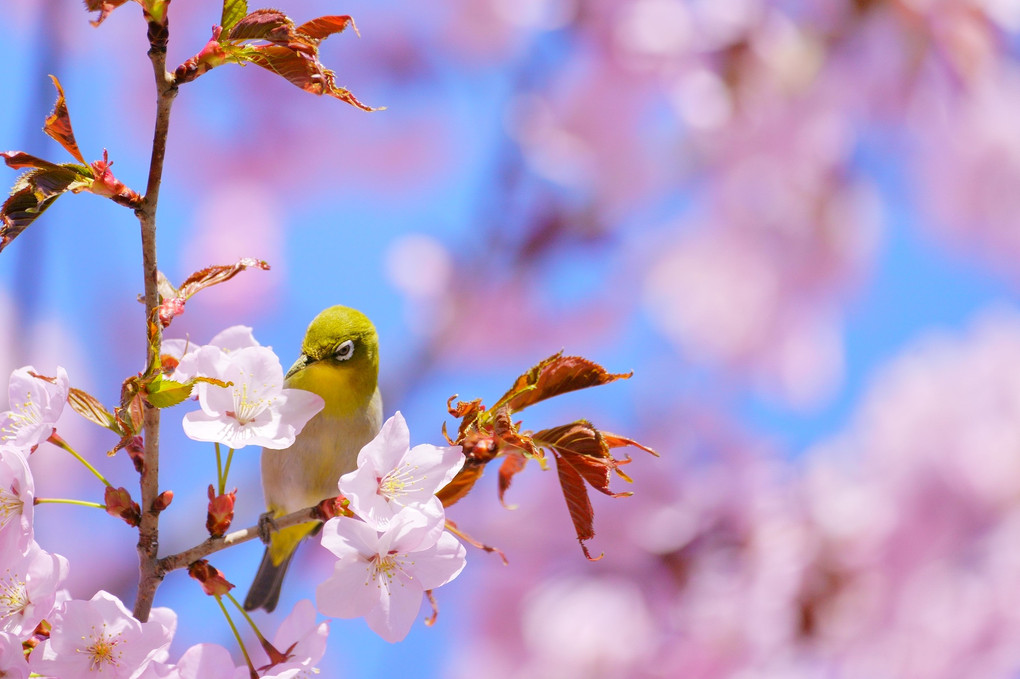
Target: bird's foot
column 267, row 524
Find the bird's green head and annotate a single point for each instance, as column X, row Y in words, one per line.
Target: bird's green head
column 339, row 358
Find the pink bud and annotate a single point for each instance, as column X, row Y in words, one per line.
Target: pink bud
column 118, row 503
column 221, row 512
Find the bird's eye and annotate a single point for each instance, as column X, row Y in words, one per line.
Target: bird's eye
column 344, row 351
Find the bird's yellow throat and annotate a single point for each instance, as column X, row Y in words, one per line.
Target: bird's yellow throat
column 344, row 387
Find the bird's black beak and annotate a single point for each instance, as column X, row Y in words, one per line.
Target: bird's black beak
column 303, row 362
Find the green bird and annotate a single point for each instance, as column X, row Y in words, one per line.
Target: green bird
column 340, row 362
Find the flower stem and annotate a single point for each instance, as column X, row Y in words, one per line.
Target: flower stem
column 56, row 500
column 237, row 635
column 226, row 470
column 61, row 443
column 220, row 483
column 246, row 617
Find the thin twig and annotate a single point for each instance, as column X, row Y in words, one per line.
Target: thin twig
column 148, row 530
column 212, row 545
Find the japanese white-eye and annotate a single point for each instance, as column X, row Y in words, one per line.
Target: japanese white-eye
column 340, row 362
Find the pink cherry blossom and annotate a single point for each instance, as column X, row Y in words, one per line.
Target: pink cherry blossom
column 28, row 588
column 12, row 660
column 198, row 662
column 35, row 405
column 192, row 360
column 392, row 476
column 17, row 495
column 301, row 637
column 99, row 637
column 256, row 409
column 382, row 576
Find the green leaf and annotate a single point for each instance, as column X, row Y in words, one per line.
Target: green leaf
column 163, row 393
column 233, row 11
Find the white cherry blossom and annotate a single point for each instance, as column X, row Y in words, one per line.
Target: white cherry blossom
column 255, row 409
column 383, row 575
column 35, row 406
column 392, row 476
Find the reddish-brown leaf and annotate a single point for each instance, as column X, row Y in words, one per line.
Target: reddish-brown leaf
column 217, row 274
column 89, row 407
column 584, row 448
column 271, row 25
column 104, row 7
column 130, row 414
column 466, row 410
column 58, row 124
column 321, row 28
column 19, row 160
column 460, row 485
column 34, row 191
column 17, row 212
column 513, row 463
column 508, row 435
column 556, row 375
column 172, row 300
column 303, row 71
column 614, row 441
column 578, row 504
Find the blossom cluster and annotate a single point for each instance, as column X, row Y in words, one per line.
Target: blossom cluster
column 396, row 548
column 390, row 550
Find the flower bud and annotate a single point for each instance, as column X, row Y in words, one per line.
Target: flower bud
column 118, row 503
column 221, row 512
column 211, row 578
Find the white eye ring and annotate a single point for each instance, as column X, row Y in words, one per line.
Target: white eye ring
column 344, row 351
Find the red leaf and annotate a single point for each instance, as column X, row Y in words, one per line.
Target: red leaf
column 321, row 28
column 58, row 124
column 18, row 160
column 614, row 441
column 585, row 449
column 263, row 24
column 303, row 71
column 576, row 495
column 461, row 484
column 217, row 274
column 556, row 375
column 513, row 463
column 104, row 7
column 172, row 306
column 34, row 191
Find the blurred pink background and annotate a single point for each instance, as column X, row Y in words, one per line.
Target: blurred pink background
column 795, row 221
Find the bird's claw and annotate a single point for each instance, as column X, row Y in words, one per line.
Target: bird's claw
column 267, row 524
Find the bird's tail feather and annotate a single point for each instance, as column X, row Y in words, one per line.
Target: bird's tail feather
column 265, row 588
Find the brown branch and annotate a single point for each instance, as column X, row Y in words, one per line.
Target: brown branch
column 148, row 530
column 212, row 545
